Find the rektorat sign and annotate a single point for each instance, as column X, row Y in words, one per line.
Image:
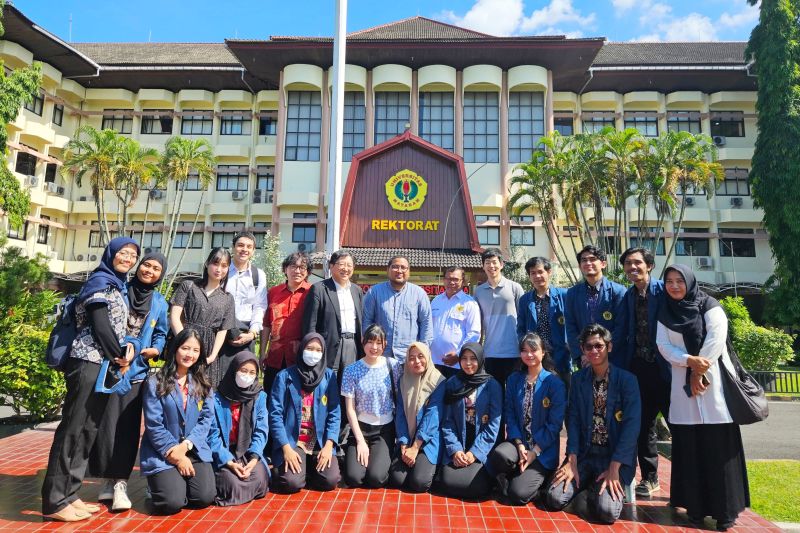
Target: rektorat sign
column 406, row 191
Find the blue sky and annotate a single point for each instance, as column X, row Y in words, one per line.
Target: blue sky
column 214, row 20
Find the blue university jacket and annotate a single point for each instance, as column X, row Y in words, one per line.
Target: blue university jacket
column 285, row 410
column 428, row 419
column 166, row 425
column 623, row 417
column 219, row 435
column 549, row 408
column 655, row 299
column 153, row 335
column 488, row 410
column 528, row 321
column 609, row 308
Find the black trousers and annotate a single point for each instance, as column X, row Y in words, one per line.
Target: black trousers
column 80, row 417
column 655, row 392
column 114, row 452
column 500, row 368
column 522, row 487
column 171, row 492
column 471, row 482
column 416, row 479
column 347, row 354
column 380, row 440
column 288, row 482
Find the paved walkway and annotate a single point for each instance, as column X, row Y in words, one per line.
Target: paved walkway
column 23, row 458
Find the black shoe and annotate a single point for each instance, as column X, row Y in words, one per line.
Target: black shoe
column 725, row 525
column 697, row 521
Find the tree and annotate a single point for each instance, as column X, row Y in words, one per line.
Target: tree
column 136, row 167
column 15, row 89
column 773, row 47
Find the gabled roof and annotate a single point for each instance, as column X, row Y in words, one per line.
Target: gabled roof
column 639, row 54
column 158, row 53
column 410, row 29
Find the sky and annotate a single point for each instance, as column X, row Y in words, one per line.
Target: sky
column 214, row 20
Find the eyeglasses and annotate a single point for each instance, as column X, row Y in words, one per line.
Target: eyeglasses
column 125, row 254
column 401, row 268
column 596, row 347
column 589, row 259
column 299, row 268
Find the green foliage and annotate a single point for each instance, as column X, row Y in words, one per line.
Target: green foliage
column 19, row 275
column 774, row 48
column 270, row 258
column 758, row 348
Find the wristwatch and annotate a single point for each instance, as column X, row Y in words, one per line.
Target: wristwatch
column 537, row 453
column 189, row 444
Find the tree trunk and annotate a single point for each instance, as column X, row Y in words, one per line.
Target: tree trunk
column 191, row 234
column 675, row 231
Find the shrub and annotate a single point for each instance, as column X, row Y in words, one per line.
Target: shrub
column 759, row 348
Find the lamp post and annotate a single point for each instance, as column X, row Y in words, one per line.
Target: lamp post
column 733, row 265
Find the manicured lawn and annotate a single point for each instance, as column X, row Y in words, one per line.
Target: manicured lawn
column 775, row 489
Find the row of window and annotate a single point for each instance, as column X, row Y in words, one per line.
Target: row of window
column 200, row 124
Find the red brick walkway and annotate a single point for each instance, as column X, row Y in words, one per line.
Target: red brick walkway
column 23, row 459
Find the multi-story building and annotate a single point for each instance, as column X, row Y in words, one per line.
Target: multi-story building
column 479, row 102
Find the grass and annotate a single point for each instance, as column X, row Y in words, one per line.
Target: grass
column 775, row 489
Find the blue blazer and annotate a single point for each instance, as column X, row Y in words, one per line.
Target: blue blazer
column 488, row 410
column 285, row 410
column 428, row 419
column 609, row 308
column 547, row 416
column 166, row 425
column 623, row 417
column 655, row 299
column 153, row 335
column 219, row 435
column 528, row 321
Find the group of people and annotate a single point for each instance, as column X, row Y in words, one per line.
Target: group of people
column 460, row 394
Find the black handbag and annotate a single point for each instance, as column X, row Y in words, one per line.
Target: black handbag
column 744, row 396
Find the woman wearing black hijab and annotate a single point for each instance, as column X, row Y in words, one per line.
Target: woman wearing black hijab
column 114, row 452
column 239, row 434
column 709, row 476
column 471, row 425
column 304, row 449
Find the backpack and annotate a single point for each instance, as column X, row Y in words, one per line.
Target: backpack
column 64, row 332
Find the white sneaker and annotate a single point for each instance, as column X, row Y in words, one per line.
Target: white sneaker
column 121, row 501
column 107, row 492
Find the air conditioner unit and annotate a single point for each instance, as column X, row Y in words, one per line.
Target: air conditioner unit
column 302, row 247
column 53, row 255
column 148, row 250
column 93, row 257
column 156, row 194
column 83, row 198
column 32, row 181
column 690, row 201
column 720, row 140
column 60, row 191
column 79, row 257
column 257, row 193
column 238, row 195
column 736, row 201
column 269, row 198
column 52, row 187
column 705, row 262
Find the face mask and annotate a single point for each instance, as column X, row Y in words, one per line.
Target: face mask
column 311, row 358
column 243, row 381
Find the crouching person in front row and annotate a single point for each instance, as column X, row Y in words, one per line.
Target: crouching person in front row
column 602, row 428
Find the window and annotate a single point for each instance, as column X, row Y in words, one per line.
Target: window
column 303, row 126
column 735, row 183
column 26, row 164
column 354, row 119
column 392, row 113
column 152, row 241
column 265, row 177
column 305, row 233
column 36, row 105
column 119, row 121
column 232, row 177
column 692, row 246
column 58, row 114
column 727, row 123
column 646, row 240
column 260, row 230
column 20, row 233
column 522, row 231
column 684, row 121
column 646, row 123
column 43, row 233
column 193, row 181
column 267, row 124
column 50, row 173
column 225, row 238
column 488, row 235
column 197, row 122
column 155, row 123
column 436, row 119
column 97, row 238
column 182, row 239
column 564, row 125
column 525, row 124
column 481, row 128
column 235, row 125
column 737, row 246
column 596, row 122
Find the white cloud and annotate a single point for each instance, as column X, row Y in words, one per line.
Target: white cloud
column 507, row 17
column 557, row 12
column 621, row 6
column 654, row 13
column 692, row 27
column 747, row 17
column 495, row 17
column 648, row 38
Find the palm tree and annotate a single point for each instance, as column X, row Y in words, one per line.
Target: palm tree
column 135, row 168
column 94, row 154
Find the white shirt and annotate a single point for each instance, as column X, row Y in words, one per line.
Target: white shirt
column 456, row 321
column 347, row 308
column 709, row 407
column 250, row 302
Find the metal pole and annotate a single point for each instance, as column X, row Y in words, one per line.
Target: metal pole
column 733, row 265
column 337, row 129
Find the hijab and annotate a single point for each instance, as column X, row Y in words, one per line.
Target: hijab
column 311, row 376
column 461, row 385
column 140, row 295
column 686, row 315
column 105, row 275
column 244, row 397
column 416, row 388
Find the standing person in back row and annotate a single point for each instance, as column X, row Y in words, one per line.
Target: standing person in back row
column 594, row 300
column 498, row 299
column 400, row 308
column 456, row 321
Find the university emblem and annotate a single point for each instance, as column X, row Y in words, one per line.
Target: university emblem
column 618, row 416
column 607, row 315
column 485, row 419
column 546, row 402
column 561, row 320
column 324, row 399
column 406, row 191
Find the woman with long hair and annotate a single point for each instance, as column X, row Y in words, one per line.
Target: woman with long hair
column 205, row 306
column 175, row 456
column 101, row 318
column 534, row 408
